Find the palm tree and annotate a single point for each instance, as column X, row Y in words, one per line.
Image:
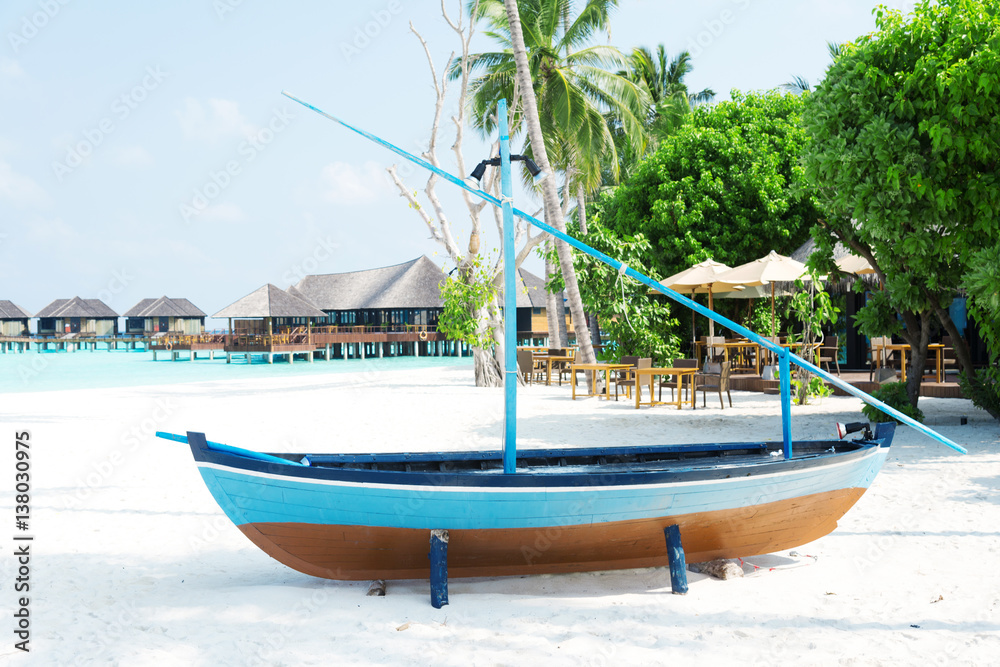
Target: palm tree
column 571, row 80
column 664, row 78
column 671, row 102
column 798, row 84
column 575, row 86
column 550, row 76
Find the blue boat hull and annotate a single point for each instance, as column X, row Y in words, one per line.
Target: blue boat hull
column 369, row 516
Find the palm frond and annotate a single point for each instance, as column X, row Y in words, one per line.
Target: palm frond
column 797, row 85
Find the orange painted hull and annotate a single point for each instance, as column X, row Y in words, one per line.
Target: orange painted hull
column 365, row 552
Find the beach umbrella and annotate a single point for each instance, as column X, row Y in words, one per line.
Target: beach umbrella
column 702, row 278
column 766, row 271
column 853, row 264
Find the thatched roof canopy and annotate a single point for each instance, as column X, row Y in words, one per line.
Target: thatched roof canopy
column 77, row 307
column 805, row 251
column 11, row 311
column 164, row 307
column 414, row 284
column 532, row 293
column 270, row 301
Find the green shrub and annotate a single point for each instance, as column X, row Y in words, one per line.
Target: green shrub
column 983, row 389
column 893, row 395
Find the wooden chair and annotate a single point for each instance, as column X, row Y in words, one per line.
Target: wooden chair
column 948, row 358
column 556, row 366
column 624, row 375
column 829, row 352
column 566, row 367
column 880, row 357
column 714, row 348
column 768, row 358
column 526, row 364
column 715, row 377
column 670, row 380
column 630, row 381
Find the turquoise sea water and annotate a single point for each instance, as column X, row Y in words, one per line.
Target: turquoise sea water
column 55, row 371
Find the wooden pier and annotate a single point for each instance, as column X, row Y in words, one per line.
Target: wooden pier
column 305, row 344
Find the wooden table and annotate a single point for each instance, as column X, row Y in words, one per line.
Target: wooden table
column 548, row 359
column 736, row 345
column 791, row 346
column 903, row 347
column 650, row 373
column 607, row 368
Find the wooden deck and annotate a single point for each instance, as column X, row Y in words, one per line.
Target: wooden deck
column 361, row 342
column 929, row 387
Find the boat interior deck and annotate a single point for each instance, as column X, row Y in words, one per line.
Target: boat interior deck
column 607, row 459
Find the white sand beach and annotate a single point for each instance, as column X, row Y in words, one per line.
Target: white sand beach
column 133, row 562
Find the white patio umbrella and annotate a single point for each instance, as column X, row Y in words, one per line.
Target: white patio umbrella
column 701, row 278
column 853, row 264
column 766, row 271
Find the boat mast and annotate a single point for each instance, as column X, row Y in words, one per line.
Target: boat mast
column 785, row 357
column 509, row 300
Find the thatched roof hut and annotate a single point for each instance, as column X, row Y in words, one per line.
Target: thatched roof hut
column 77, row 307
column 164, row 307
column 270, row 301
column 11, row 311
column 77, row 315
column 533, row 292
column 13, row 319
column 164, row 315
column 413, row 285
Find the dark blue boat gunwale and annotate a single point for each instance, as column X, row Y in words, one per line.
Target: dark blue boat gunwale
column 596, row 474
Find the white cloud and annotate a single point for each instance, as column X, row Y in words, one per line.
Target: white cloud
column 221, row 119
column 223, row 213
column 10, row 69
column 132, row 156
column 53, row 232
column 344, row 183
column 21, row 190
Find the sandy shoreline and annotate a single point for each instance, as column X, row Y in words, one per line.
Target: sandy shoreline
column 135, row 564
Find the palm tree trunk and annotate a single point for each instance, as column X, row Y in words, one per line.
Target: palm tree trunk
column 553, row 308
column 551, row 196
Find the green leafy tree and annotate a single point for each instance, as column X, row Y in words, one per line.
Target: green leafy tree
column 637, row 323
column 983, row 288
column 903, row 153
column 722, row 186
column 813, row 309
column 465, row 297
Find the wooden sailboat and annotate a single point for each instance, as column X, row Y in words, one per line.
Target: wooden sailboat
column 369, row 516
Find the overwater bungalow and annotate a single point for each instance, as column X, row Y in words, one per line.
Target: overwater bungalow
column 532, row 309
column 392, row 298
column 77, row 317
column 405, row 297
column 254, row 324
column 13, row 319
column 164, row 315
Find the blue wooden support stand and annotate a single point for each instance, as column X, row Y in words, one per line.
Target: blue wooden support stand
column 675, row 557
column 439, row 568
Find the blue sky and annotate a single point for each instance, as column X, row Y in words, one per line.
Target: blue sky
column 145, row 148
